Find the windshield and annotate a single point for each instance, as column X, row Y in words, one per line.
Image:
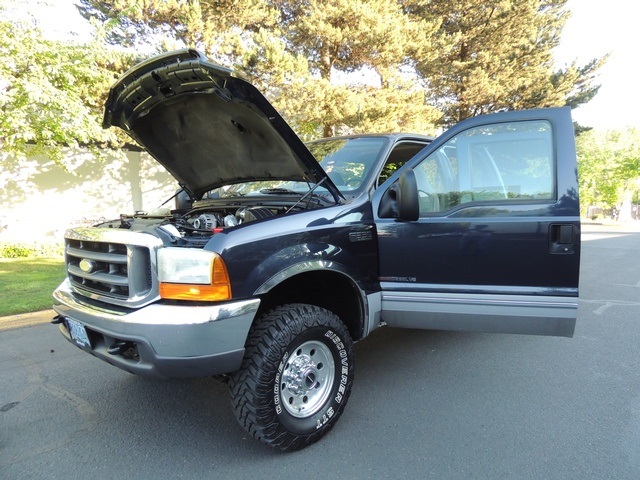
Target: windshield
column 347, row 161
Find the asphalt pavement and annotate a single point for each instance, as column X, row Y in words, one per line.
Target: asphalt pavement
column 425, row 404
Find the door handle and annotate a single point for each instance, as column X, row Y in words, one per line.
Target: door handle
column 561, row 238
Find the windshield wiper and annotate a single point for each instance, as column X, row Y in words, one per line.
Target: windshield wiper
column 279, row 191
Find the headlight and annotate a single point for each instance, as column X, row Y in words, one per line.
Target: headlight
column 189, row 274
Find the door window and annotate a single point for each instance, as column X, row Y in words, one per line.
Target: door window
column 497, row 163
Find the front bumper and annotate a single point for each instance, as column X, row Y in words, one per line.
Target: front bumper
column 162, row 340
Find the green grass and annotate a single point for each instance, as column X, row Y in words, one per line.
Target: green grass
column 26, row 284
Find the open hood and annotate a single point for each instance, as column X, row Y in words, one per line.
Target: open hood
column 206, row 126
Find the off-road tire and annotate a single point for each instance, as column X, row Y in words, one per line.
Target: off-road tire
column 295, row 378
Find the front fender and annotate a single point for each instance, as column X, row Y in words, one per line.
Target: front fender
column 341, row 238
column 301, row 268
column 296, row 254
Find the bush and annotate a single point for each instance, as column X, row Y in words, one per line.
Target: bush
column 35, row 249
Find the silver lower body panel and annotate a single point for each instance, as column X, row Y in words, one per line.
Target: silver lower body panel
column 476, row 312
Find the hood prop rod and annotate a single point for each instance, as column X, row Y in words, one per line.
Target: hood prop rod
column 306, row 195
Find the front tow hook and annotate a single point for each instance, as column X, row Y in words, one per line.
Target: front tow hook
column 119, row 347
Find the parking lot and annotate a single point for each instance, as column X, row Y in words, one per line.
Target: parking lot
column 424, row 404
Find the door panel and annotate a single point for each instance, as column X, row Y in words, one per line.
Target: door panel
column 496, row 246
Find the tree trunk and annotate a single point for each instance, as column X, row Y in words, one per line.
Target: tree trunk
column 134, row 179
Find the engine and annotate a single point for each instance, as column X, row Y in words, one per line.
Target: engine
column 195, row 226
column 206, row 222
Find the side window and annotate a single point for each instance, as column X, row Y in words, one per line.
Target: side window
column 493, row 163
column 402, row 152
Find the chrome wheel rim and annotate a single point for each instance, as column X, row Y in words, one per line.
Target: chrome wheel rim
column 307, row 379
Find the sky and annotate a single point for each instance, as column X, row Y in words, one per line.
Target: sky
column 596, row 28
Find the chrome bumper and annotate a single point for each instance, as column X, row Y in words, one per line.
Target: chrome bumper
column 168, row 340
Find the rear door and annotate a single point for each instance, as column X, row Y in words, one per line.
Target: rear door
column 496, row 244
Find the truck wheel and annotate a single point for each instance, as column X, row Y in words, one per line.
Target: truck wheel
column 295, row 378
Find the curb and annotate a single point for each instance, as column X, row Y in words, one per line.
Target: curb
column 26, row 319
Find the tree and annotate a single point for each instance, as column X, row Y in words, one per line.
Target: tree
column 498, row 55
column 51, row 93
column 422, row 57
column 340, row 104
column 51, row 96
column 609, row 167
column 348, row 35
column 295, row 52
column 218, row 27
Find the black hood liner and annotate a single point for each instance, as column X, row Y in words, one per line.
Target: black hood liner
column 207, row 127
column 202, row 149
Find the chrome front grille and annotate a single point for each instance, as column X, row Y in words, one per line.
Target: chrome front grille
column 119, row 272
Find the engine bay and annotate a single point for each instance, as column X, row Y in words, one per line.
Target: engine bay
column 194, row 227
column 207, row 221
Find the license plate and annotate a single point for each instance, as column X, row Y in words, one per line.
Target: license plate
column 78, row 333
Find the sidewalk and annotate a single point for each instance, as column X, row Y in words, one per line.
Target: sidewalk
column 610, row 225
column 26, row 319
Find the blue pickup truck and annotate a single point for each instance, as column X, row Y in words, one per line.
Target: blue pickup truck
column 280, row 255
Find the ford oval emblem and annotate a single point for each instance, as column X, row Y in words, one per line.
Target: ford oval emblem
column 87, row 266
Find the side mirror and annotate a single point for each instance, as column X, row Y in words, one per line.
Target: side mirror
column 401, row 201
